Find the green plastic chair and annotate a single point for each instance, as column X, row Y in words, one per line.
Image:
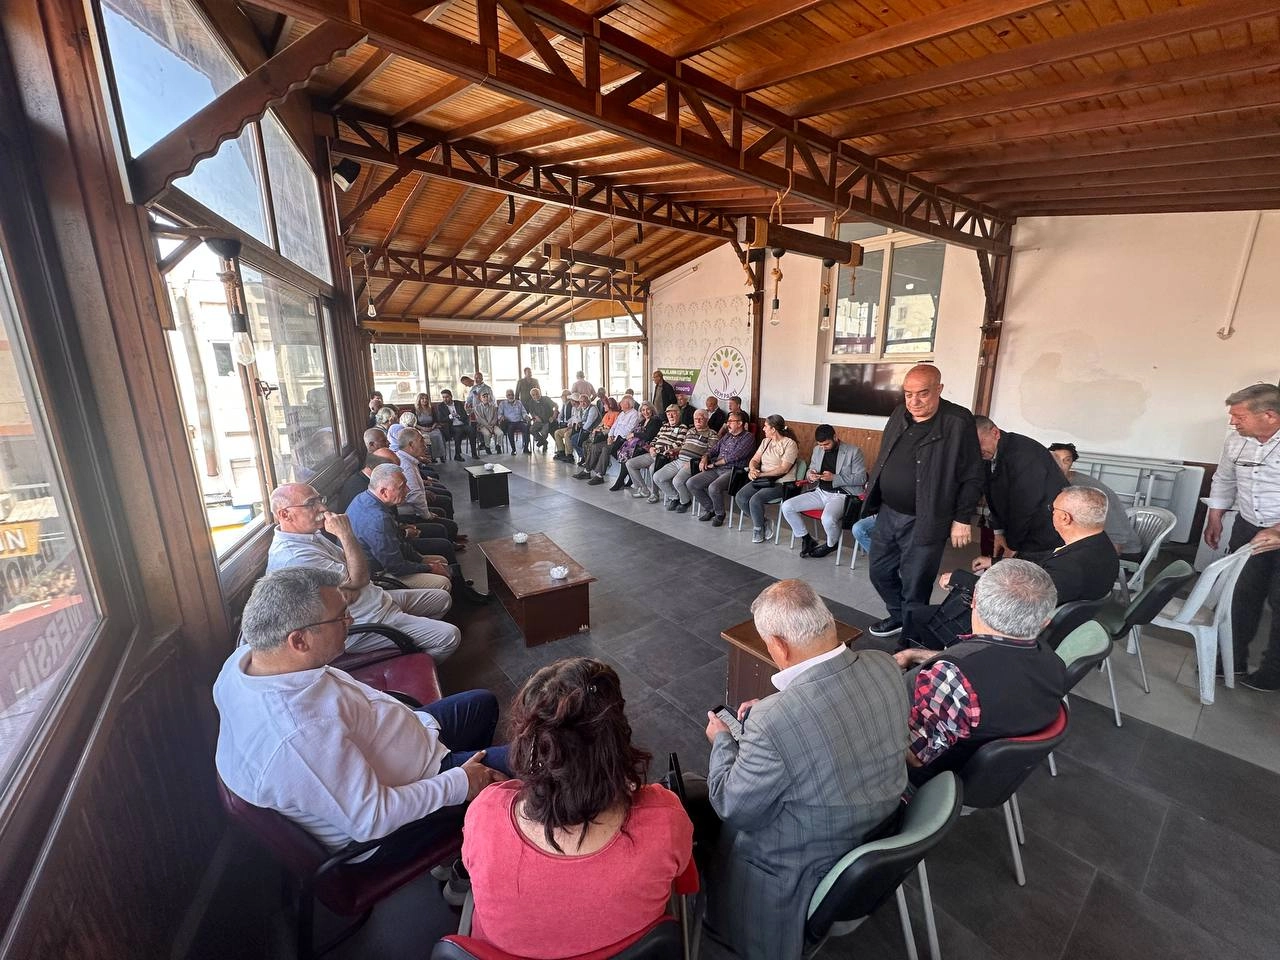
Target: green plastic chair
column 1145, row 607
column 866, row 877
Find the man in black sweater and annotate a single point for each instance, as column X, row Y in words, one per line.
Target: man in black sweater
column 924, row 490
column 1022, row 480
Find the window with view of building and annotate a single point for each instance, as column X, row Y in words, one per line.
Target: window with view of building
column 398, row 372
column 543, row 360
column 48, row 610
column 501, row 368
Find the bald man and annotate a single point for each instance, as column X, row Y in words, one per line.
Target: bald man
column 923, row 490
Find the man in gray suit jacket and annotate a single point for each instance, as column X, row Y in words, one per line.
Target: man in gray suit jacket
column 818, row 766
column 836, row 471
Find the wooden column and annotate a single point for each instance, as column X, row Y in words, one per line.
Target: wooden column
column 995, row 285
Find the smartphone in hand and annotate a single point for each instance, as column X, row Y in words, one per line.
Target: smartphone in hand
column 726, row 715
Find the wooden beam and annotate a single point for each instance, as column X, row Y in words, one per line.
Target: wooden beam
column 527, row 246
column 176, row 154
column 1125, row 33
column 387, row 293
column 493, row 202
column 1262, row 183
column 363, row 74
column 446, row 218
column 1249, row 200
column 524, row 213
column 489, row 121
column 760, row 233
column 1219, row 64
column 373, row 196
column 994, row 271
column 1174, row 173
column 404, row 211
column 735, row 24
column 557, row 133
column 962, row 16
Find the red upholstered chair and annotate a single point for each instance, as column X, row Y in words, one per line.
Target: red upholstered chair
column 852, row 508
column 993, row 774
column 347, row 889
column 399, row 669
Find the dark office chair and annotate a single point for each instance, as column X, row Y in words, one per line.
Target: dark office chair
column 868, row 876
column 1067, row 617
column 660, row 941
column 1145, row 607
column 993, row 774
column 345, row 888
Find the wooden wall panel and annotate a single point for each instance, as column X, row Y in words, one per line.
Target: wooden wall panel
column 868, row 440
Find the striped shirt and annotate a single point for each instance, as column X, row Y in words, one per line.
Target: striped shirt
column 696, row 443
column 669, row 440
column 1248, row 478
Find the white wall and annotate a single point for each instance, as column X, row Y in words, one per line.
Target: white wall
column 1110, row 336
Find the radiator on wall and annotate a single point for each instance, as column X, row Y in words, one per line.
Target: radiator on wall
column 1142, row 481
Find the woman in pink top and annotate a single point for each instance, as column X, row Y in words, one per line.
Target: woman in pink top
column 578, row 853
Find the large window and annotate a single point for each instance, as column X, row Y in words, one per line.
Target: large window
column 398, row 373
column 446, row 366
column 501, row 368
column 888, row 306
column 543, row 360
column 47, row 606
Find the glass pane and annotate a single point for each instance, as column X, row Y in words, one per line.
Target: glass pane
column 167, row 65
column 914, row 288
column 626, row 370
column 47, row 608
column 858, row 306
column 581, row 330
column 285, row 325
column 216, row 404
column 587, row 359
column 861, row 231
column 326, row 327
column 296, row 200
column 501, row 368
column 619, row 327
column 397, row 372
column 446, row 366
column 543, row 359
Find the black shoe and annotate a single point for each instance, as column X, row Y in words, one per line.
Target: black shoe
column 595, row 481
column 807, row 545
column 718, row 521
column 582, row 475
column 459, row 457
column 683, row 508
column 673, row 504
column 1239, row 671
column 1259, row 680
column 888, row 627
column 471, row 595
column 459, row 885
column 617, row 485
column 821, row 550
column 706, row 516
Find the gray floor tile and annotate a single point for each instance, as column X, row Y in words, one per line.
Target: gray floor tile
column 698, row 690
column 661, row 652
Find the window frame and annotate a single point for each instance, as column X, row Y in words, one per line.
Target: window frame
column 890, row 243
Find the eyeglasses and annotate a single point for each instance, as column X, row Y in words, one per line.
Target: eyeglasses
column 312, row 503
column 1236, row 461
column 346, row 618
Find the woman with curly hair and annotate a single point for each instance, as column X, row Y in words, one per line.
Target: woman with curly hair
column 577, row 853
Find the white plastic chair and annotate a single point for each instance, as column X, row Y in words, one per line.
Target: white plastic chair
column 1206, row 615
column 1154, row 524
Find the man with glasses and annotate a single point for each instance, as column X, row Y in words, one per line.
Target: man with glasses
column 1248, row 480
column 302, row 539
column 344, row 761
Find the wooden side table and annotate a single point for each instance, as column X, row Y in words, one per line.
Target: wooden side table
column 751, row 670
column 489, row 487
column 545, row 609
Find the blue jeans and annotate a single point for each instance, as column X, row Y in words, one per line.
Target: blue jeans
column 468, row 722
column 752, row 499
column 862, row 532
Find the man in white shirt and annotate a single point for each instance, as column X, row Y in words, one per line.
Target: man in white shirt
column 299, row 541
column 339, row 758
column 1248, row 480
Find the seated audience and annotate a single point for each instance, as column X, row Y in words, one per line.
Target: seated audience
column 687, row 409
column 593, row 412
column 638, row 439
column 773, row 462
column 1022, row 478
column 662, row 449
column 452, row 416
column 998, row 682
column 420, row 501
column 385, row 417
column 373, row 518
column 342, row 760
column 600, row 451
column 542, row 416
column 299, row 541
column 578, row 852
column 795, row 798
column 731, row 451
column 1119, row 527
column 425, row 411
column 485, row 412
column 715, row 416
column 672, row 480
column 567, row 424
column 837, row 471
column 424, row 536
column 375, row 440
column 513, row 418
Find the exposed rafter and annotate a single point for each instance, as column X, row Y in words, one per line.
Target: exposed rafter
column 735, row 24
column 730, row 133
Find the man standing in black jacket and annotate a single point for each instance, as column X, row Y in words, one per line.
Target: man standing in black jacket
column 924, row 490
column 1022, row 480
column 664, row 394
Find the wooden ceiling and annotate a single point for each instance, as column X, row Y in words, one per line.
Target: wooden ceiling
column 1017, row 108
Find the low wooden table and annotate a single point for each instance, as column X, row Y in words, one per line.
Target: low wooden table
column 751, row 669
column 545, row 609
column 489, row 486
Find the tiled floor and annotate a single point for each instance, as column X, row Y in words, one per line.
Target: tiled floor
column 1147, row 844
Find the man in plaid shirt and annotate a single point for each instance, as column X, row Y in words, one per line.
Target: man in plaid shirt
column 997, row 682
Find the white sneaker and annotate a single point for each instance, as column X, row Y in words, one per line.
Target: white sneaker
column 640, row 494
column 757, row 536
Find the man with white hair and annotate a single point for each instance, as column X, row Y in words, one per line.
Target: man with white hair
column 998, row 682
column 299, row 541
column 1248, row 480
column 672, row 480
column 342, row 760
column 373, row 518
column 818, row 766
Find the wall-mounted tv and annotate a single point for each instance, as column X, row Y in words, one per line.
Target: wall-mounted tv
column 871, row 389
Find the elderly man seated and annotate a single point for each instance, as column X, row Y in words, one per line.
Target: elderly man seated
column 1120, row 526
column 998, row 682
column 486, row 413
column 430, row 505
column 373, row 518
column 513, row 418
column 729, row 452
column 567, row 422
column 542, row 417
column 664, row 447
column 300, row 541
column 673, row 479
column 342, row 760
column 817, row 766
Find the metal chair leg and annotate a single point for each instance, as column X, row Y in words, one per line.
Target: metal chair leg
column 839, row 548
column 1142, row 667
column 1013, row 845
column 853, row 557
column 1053, row 767
column 1017, row 819
column 1111, row 682
column 930, row 924
column 908, row 935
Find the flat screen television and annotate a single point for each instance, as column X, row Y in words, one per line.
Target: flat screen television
column 871, row 389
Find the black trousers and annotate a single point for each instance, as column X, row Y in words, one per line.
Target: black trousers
column 1259, row 584
column 902, row 571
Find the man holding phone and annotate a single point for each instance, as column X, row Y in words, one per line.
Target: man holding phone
column 792, row 803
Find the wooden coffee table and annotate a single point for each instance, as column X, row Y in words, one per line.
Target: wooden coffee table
column 751, row 669
column 545, row 609
column 489, row 486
